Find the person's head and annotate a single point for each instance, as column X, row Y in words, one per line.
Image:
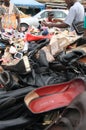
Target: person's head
column 70, row 2
column 7, row 2
column 50, row 16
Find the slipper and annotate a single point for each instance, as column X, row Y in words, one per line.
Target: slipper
column 73, row 117
column 54, row 96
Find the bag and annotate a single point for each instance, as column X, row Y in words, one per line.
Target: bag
column 79, row 27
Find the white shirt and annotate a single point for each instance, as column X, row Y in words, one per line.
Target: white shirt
column 75, row 15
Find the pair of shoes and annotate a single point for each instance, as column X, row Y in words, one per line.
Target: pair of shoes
column 54, row 96
column 73, row 117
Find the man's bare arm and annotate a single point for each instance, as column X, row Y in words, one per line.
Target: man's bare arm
column 60, row 25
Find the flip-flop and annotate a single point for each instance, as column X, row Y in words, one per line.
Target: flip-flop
column 54, row 96
column 73, row 117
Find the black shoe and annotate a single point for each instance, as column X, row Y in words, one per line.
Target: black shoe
column 21, row 67
column 7, row 81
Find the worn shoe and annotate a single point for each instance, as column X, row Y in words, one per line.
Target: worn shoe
column 21, row 66
column 73, row 117
column 7, row 81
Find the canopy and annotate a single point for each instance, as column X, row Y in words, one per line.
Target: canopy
column 28, row 3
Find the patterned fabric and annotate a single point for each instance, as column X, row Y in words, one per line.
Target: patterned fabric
column 8, row 15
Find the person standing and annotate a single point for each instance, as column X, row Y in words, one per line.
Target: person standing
column 9, row 14
column 75, row 15
column 50, row 17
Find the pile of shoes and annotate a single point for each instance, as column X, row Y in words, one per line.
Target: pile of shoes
column 41, row 76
